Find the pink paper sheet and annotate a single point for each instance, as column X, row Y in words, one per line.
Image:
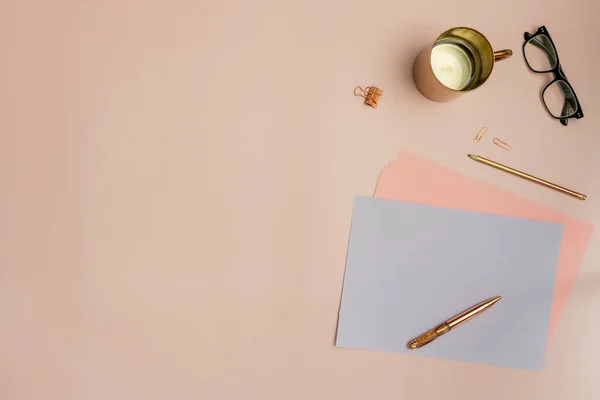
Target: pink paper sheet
column 416, row 179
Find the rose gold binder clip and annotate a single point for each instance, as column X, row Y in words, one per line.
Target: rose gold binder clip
column 502, row 144
column 480, row 134
column 371, row 94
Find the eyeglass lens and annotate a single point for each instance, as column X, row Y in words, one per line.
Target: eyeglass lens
column 540, row 54
column 560, row 99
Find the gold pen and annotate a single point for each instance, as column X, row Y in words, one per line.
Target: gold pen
column 452, row 323
column 527, row 176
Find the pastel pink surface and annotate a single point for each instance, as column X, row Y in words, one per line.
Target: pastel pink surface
column 177, row 181
column 416, row 179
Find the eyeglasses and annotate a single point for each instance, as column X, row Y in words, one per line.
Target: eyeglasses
column 558, row 96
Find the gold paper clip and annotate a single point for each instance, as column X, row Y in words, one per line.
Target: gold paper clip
column 480, row 134
column 370, row 93
column 502, row 144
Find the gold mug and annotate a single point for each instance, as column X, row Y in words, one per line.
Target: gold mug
column 459, row 60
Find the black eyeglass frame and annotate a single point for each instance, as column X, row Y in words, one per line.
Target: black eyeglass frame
column 559, row 75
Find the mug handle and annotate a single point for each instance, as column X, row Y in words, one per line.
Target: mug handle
column 502, row 54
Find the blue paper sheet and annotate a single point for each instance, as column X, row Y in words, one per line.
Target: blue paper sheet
column 411, row 267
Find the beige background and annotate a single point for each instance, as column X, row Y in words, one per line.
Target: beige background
column 177, row 180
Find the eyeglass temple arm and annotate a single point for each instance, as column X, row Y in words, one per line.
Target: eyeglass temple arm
column 568, row 100
column 549, row 51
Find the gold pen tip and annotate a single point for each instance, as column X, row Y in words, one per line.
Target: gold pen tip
column 494, row 300
column 413, row 345
column 473, row 156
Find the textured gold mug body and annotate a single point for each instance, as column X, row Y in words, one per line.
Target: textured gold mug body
column 458, row 61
